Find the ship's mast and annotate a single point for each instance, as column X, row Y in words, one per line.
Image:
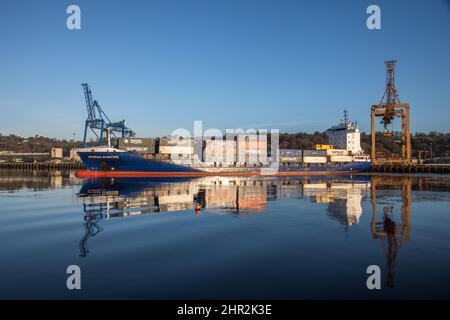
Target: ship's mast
column 345, row 116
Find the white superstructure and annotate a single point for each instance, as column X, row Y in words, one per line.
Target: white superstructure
column 347, row 136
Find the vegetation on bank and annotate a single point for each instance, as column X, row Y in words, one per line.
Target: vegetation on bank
column 435, row 143
column 36, row 144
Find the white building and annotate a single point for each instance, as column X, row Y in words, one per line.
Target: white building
column 345, row 136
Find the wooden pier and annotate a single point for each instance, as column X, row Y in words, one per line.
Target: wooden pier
column 386, row 167
column 64, row 165
column 413, row 168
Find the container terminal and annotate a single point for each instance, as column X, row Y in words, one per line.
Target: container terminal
column 118, row 152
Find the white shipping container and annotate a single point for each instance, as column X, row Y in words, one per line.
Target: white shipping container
column 314, row 153
column 290, row 159
column 314, row 159
column 290, row 152
column 176, row 142
column 175, row 150
column 220, row 143
column 337, row 152
column 341, row 158
column 219, row 151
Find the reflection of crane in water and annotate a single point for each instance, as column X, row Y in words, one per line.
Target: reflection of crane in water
column 91, row 227
column 389, row 230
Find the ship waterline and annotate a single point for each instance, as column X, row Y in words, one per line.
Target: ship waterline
column 143, row 174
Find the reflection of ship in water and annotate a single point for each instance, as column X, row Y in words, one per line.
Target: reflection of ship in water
column 343, row 199
column 124, row 197
column 391, row 233
column 91, row 228
column 109, row 198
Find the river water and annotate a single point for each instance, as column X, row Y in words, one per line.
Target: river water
column 251, row 238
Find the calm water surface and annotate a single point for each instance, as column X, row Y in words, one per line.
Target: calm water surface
column 295, row 238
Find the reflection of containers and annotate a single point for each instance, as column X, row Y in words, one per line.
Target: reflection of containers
column 252, row 198
column 341, row 159
column 337, row 152
column 315, row 153
column 314, row 159
column 221, row 198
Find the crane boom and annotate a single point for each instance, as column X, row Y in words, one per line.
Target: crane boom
column 97, row 120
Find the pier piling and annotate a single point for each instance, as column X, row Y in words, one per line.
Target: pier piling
column 69, row 165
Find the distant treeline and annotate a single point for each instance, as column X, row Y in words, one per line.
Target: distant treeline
column 36, row 144
column 433, row 142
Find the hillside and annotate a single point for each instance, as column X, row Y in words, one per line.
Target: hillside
column 35, row 144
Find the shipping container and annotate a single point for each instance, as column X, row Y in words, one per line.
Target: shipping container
column 251, row 145
column 223, row 151
column 291, row 152
column 228, row 144
column 163, row 149
column 220, row 150
column 321, row 153
column 324, row 146
column 290, row 159
column 341, row 158
column 138, row 149
column 337, row 152
column 314, row 159
column 176, row 142
column 141, row 142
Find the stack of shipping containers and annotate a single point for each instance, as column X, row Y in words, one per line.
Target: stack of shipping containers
column 144, row 146
column 219, row 151
column 339, row 155
column 291, row 156
column 314, row 156
column 251, row 148
column 241, row 149
column 176, row 149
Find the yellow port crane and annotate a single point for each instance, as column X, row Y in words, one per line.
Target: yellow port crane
column 389, row 108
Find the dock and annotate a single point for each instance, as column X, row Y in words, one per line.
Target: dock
column 64, row 165
column 412, row 168
column 78, row 165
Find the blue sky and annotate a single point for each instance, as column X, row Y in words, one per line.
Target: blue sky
column 292, row 65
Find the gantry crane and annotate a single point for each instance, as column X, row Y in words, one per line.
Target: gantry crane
column 389, row 108
column 98, row 120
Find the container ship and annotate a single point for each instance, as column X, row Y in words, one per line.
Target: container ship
column 241, row 154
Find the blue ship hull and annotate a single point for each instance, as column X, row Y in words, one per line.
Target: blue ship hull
column 127, row 164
